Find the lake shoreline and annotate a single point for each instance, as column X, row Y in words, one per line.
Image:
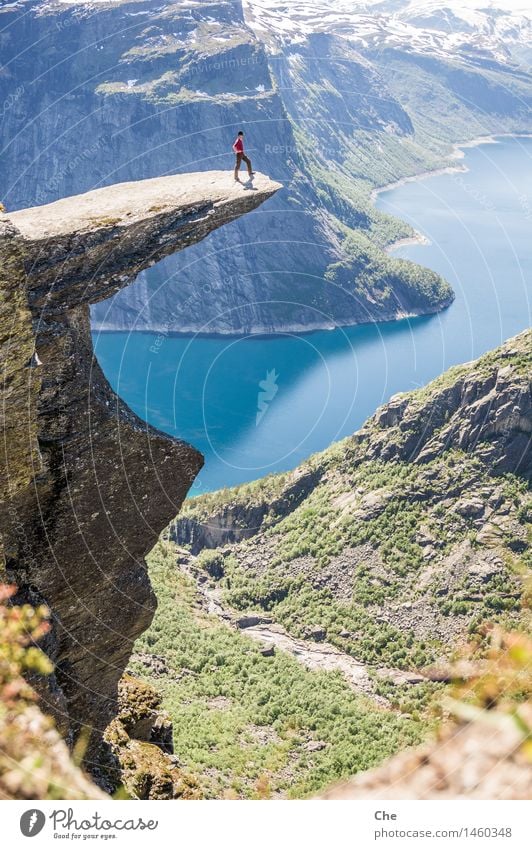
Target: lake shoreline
column 417, row 239
column 330, row 381
column 457, row 152
column 261, row 334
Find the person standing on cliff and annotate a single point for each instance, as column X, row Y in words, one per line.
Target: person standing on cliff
column 238, row 148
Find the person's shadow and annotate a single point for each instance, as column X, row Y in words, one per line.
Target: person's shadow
column 248, row 185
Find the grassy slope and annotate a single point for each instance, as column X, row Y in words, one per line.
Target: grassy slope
column 319, row 532
column 242, row 721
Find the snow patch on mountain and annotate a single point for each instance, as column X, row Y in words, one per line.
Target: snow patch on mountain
column 491, row 27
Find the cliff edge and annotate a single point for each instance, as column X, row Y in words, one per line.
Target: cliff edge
column 86, row 486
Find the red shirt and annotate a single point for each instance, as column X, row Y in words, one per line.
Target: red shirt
column 238, row 146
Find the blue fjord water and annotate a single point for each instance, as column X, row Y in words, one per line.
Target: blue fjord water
column 256, row 405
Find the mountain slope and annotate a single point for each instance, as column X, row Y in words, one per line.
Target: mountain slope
column 305, row 620
column 402, row 538
column 151, row 89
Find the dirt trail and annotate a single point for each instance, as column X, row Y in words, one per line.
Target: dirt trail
column 314, row 655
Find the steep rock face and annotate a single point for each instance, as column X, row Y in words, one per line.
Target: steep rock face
column 234, row 522
column 487, row 412
column 20, row 455
column 140, row 740
column 87, row 485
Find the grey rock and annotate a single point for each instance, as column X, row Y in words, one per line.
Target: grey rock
column 90, row 485
column 81, row 250
column 469, row 508
column 399, row 677
column 316, row 632
column 251, row 621
column 156, row 664
column 267, row 651
column 162, row 733
column 315, row 746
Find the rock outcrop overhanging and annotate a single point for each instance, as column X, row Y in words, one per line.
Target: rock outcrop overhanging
column 86, row 486
column 88, row 247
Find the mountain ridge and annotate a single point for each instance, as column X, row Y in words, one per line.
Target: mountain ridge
column 329, row 118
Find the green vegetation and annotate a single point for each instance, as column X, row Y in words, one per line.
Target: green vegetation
column 243, row 722
column 346, row 188
column 371, row 540
column 392, row 285
column 405, row 526
column 389, row 286
column 34, row 760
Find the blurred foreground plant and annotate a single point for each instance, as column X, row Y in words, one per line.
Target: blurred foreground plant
column 497, row 688
column 21, row 627
column 35, row 763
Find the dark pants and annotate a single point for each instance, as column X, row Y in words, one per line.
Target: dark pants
column 241, row 157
